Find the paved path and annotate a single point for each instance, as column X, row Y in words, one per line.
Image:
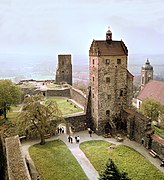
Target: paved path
column 89, row 170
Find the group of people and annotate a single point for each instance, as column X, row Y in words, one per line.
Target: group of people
column 70, row 139
column 60, row 130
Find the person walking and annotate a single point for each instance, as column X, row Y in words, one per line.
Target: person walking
column 78, row 139
column 69, row 138
column 90, row 132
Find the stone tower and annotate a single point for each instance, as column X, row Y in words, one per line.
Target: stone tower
column 64, row 70
column 146, row 73
column 111, row 83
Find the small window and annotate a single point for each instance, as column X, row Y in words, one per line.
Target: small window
column 62, row 62
column 107, row 61
column 93, row 62
column 93, row 110
column 62, row 71
column 107, row 79
column 142, row 80
column 109, row 97
column 93, row 95
column 93, row 79
column 107, row 112
column 118, row 61
column 121, row 93
column 149, row 78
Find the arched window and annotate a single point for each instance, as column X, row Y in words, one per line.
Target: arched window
column 108, row 113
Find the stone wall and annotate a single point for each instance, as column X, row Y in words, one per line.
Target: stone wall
column 136, row 124
column 65, row 92
column 159, row 148
column 3, row 163
column 77, row 122
column 16, row 165
column 137, row 129
column 78, row 96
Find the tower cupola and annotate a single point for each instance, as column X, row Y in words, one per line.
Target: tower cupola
column 109, row 35
column 146, row 73
column 147, row 66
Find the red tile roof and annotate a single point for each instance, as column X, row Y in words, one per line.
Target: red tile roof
column 154, row 90
column 158, row 139
column 113, row 48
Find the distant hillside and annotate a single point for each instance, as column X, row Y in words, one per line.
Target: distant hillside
column 19, row 67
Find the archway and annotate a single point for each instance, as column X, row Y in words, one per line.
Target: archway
column 62, row 128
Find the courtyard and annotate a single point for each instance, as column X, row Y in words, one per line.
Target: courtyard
column 92, row 155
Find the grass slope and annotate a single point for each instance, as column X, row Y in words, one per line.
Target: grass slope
column 54, row 161
column 65, row 107
column 126, row 159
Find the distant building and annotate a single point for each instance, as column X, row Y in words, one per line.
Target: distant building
column 111, row 83
column 64, row 70
column 146, row 73
column 154, row 90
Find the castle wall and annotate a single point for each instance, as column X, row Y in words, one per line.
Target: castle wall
column 78, row 96
column 16, row 165
column 136, row 125
column 77, row 122
column 58, row 92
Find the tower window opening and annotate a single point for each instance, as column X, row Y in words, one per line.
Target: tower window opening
column 93, row 79
column 118, row 61
column 62, row 62
column 109, row 97
column 93, row 95
column 142, row 80
column 107, row 79
column 121, row 93
column 93, row 62
column 107, row 61
column 62, row 71
column 108, row 112
column 149, row 78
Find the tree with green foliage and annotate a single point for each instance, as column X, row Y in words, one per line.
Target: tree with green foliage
column 111, row 172
column 151, row 108
column 9, row 95
column 38, row 113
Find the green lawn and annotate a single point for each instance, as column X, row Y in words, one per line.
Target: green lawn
column 65, row 107
column 126, row 159
column 54, row 86
column 54, row 161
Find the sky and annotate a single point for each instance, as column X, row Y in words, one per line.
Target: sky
column 50, row 27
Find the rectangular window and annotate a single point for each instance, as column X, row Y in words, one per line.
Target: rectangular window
column 93, row 79
column 118, row 61
column 93, row 95
column 107, row 61
column 107, row 79
column 109, row 97
column 121, row 93
column 93, row 62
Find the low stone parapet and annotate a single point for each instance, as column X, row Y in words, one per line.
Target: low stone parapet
column 16, row 165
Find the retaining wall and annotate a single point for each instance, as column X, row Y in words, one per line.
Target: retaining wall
column 16, row 165
column 78, row 96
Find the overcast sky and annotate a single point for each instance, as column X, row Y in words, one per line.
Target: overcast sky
column 68, row 26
